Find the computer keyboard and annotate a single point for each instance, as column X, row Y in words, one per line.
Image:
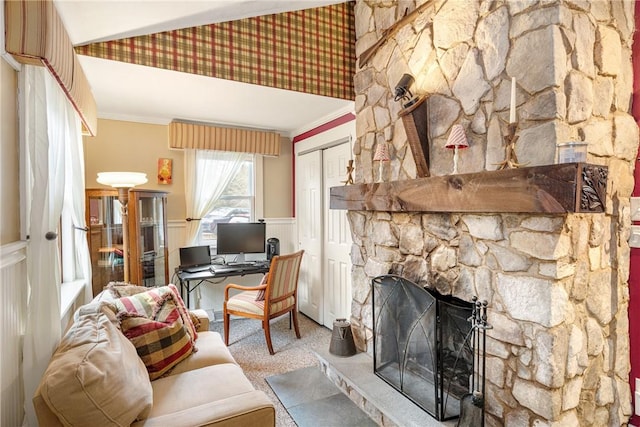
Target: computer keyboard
column 234, row 266
column 196, row 269
column 221, row 268
column 248, row 264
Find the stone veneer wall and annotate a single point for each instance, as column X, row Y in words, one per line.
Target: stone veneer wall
column 556, row 285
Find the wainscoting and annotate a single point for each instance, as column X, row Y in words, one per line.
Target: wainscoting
column 13, row 294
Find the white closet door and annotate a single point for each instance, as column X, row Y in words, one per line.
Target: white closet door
column 309, row 218
column 337, row 240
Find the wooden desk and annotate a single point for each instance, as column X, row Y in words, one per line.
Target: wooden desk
column 209, row 275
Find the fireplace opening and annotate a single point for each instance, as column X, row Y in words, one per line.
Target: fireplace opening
column 422, row 344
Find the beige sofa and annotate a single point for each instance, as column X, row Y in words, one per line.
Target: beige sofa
column 95, row 378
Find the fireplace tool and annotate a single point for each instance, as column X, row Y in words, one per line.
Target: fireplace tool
column 472, row 404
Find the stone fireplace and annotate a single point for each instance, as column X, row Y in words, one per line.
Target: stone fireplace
column 557, row 285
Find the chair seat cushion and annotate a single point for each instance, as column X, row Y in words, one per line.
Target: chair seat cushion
column 246, row 302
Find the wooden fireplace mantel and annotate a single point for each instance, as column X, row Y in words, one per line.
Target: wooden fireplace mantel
column 555, row 189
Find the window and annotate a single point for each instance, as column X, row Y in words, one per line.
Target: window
column 237, row 201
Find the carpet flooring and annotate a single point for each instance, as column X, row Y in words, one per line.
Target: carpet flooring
column 248, row 346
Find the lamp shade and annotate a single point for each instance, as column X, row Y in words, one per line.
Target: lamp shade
column 122, row 179
column 382, row 153
column 457, row 138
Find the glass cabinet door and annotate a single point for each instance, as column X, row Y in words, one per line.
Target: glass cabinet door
column 148, row 251
column 104, row 219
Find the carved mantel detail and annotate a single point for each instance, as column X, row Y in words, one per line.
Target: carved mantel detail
column 594, row 188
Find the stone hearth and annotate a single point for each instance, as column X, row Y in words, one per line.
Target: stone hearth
column 556, row 284
column 386, row 406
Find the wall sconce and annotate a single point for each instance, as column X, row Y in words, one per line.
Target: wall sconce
column 403, row 91
column 414, row 117
column 381, row 155
column 123, row 181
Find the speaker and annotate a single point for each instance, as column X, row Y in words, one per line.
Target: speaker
column 273, row 247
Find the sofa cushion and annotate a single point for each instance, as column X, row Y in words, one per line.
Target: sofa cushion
column 213, row 383
column 211, row 351
column 95, row 376
column 242, row 410
column 161, row 344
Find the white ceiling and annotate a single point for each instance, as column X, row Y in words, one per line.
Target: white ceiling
column 150, row 95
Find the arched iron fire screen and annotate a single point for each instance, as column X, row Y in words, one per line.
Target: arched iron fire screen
column 421, row 344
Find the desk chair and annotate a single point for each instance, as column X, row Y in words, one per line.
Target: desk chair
column 280, row 296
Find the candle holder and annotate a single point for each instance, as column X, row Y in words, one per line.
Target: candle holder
column 510, row 157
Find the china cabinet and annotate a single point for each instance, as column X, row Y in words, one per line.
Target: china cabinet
column 147, row 231
column 148, row 250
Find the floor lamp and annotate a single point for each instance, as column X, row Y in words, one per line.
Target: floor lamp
column 123, row 181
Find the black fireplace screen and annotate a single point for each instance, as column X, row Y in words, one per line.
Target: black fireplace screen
column 421, row 344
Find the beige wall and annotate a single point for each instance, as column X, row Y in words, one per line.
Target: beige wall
column 9, row 160
column 131, row 146
column 135, row 147
column 278, row 182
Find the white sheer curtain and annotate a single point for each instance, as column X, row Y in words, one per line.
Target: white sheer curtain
column 207, row 174
column 48, row 124
column 78, row 259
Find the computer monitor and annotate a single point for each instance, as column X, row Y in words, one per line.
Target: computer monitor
column 239, row 238
column 194, row 256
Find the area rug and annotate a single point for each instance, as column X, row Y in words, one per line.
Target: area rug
column 249, row 348
column 312, row 400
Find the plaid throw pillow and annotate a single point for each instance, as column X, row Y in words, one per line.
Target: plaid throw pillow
column 160, row 344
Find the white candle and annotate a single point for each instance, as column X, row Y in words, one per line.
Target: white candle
column 512, row 111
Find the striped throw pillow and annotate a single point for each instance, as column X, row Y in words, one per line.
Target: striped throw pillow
column 150, row 305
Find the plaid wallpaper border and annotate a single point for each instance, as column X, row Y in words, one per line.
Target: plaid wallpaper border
column 310, row 51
